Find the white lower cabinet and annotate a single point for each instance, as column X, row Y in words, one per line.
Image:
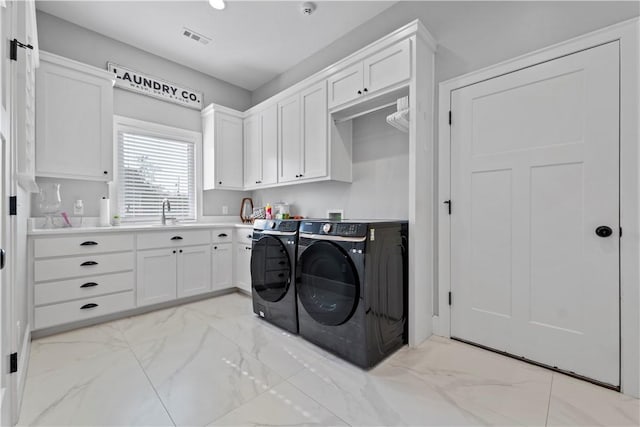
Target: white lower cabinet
column 222, row 266
column 156, row 274
column 170, row 273
column 243, row 266
column 86, row 277
column 101, row 274
column 194, row 270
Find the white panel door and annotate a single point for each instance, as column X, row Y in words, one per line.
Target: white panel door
column 222, row 260
column 535, row 159
column 194, row 270
column 289, row 139
column 314, row 131
column 156, row 274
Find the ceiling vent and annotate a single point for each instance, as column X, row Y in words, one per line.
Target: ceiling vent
column 195, row 36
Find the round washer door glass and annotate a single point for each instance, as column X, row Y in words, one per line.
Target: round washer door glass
column 327, row 283
column 270, row 268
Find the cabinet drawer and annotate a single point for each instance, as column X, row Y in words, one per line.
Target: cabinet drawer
column 222, row 235
column 54, row 292
column 164, row 239
column 73, row 311
column 80, row 245
column 89, row 265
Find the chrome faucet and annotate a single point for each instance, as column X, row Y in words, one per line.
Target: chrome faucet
column 166, row 203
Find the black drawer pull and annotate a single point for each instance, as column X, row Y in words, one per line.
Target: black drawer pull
column 89, row 243
column 248, row 248
column 249, row 236
column 90, row 305
column 282, row 262
column 86, row 263
column 222, row 235
column 89, row 285
column 176, row 238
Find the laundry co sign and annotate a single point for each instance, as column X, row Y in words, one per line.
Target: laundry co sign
column 152, row 86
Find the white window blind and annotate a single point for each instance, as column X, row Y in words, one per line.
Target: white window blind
column 152, row 169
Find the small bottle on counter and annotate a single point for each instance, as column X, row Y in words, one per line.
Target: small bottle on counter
column 268, row 212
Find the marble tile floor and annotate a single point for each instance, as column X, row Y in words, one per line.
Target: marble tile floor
column 213, row 363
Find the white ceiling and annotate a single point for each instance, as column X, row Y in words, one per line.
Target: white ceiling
column 253, row 41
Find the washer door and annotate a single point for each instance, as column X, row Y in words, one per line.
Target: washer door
column 327, row 283
column 270, row 268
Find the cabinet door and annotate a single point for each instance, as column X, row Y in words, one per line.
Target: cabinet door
column 289, row 139
column 222, row 260
column 269, row 131
column 194, row 270
column 388, row 67
column 252, row 151
column 228, row 146
column 243, row 267
column 74, row 116
column 345, row 85
column 314, row 131
column 156, row 275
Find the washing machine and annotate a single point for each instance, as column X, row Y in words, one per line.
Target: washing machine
column 351, row 280
column 273, row 261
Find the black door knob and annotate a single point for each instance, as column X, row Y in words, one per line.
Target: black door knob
column 604, row 231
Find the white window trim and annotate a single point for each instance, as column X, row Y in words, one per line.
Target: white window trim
column 127, row 124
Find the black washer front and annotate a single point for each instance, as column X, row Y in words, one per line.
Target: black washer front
column 327, row 283
column 270, row 268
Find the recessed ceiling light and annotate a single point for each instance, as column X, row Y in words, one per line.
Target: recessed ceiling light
column 217, row 4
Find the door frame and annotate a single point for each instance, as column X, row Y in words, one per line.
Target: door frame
column 628, row 35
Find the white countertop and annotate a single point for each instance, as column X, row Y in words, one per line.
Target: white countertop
column 132, row 228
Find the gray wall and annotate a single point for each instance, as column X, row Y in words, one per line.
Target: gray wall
column 72, row 41
column 380, row 177
column 470, row 35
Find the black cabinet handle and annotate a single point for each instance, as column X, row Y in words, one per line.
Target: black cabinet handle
column 89, row 243
column 215, row 247
column 366, row 90
column 174, row 252
column 301, row 175
column 90, row 305
column 220, row 182
column 359, row 92
column 105, row 172
column 89, row 285
column 248, row 248
column 281, row 275
column 222, row 235
column 176, row 238
column 249, row 236
column 282, row 262
column 180, row 250
column 87, row 263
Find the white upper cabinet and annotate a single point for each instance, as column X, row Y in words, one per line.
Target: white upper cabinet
column 379, row 71
column 222, row 148
column 261, row 148
column 289, row 141
column 303, row 135
column 346, row 85
column 314, row 132
column 74, row 120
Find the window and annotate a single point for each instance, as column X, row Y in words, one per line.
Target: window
column 152, row 167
